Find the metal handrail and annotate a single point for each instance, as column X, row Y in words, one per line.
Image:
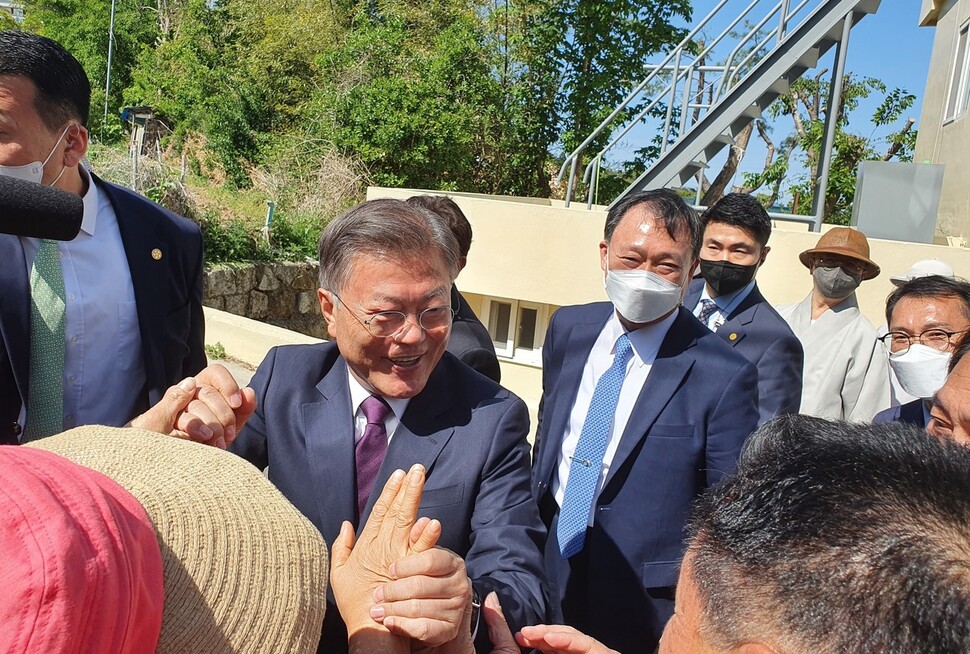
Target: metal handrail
column 682, row 72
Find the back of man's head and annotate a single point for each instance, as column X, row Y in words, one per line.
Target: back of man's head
column 740, row 210
column 449, row 211
column 931, row 286
column 62, row 87
column 383, row 229
column 838, row 538
column 667, row 208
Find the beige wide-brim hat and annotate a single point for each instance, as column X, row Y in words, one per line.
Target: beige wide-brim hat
column 844, row 242
column 244, row 571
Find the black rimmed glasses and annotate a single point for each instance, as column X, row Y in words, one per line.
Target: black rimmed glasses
column 938, row 339
column 846, row 264
column 383, row 324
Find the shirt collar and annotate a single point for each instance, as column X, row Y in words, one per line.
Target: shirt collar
column 358, row 394
column 646, row 341
column 728, row 302
column 91, row 199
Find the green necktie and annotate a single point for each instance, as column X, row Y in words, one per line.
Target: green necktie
column 45, row 406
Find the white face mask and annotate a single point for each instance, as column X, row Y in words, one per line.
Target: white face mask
column 34, row 172
column 641, row 296
column 921, row 370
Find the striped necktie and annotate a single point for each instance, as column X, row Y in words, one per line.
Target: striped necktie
column 45, row 404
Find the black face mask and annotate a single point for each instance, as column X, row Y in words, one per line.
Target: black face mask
column 726, row 277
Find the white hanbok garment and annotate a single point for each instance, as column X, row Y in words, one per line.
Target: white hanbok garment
column 846, row 374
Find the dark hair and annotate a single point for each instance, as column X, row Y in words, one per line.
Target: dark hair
column 383, row 228
column 837, row 537
column 63, row 89
column 935, row 286
column 959, row 352
column 667, row 207
column 743, row 211
column 451, row 213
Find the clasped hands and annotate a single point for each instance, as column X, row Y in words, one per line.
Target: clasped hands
column 209, row 408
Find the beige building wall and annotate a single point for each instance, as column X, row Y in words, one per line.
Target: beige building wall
column 941, row 140
column 543, row 253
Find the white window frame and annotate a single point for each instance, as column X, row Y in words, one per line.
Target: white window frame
column 511, row 349
column 957, row 92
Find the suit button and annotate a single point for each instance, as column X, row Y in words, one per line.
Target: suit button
column 15, row 429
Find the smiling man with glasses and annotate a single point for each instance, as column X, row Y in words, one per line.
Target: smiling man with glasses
column 927, row 317
column 336, row 419
column 846, row 374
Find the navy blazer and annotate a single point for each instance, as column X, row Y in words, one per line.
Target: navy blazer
column 755, row 330
column 910, row 413
column 470, row 341
column 168, row 296
column 695, row 411
column 468, row 432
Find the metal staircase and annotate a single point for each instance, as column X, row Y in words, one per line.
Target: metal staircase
column 765, row 47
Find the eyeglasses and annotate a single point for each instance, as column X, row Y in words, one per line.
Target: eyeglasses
column 845, row 264
column 938, row 339
column 383, row 324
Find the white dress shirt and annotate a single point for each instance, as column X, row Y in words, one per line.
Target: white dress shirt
column 104, row 370
column 357, row 396
column 646, row 343
column 726, row 303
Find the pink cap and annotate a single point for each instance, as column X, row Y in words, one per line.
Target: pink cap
column 82, row 569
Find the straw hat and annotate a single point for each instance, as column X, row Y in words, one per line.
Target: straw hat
column 923, row 268
column 244, row 571
column 81, row 567
column 843, row 242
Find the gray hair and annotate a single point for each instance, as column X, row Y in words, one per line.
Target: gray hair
column 383, row 228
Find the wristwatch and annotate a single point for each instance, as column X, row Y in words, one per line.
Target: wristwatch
column 476, row 611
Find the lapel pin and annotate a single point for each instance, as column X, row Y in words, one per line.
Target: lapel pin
column 157, row 254
column 733, row 336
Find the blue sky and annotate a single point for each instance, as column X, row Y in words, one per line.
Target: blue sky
column 888, row 45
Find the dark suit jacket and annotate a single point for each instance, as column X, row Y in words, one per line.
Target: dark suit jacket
column 685, row 433
column 468, row 432
column 168, row 295
column 910, row 413
column 470, row 341
column 756, row 331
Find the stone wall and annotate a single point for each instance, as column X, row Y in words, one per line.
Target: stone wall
column 281, row 294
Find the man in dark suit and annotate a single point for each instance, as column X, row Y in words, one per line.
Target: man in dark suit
column 927, row 318
column 642, row 409
column 469, row 339
column 726, row 299
column 95, row 329
column 335, row 420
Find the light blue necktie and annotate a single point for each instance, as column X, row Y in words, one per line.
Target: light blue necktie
column 45, row 406
column 587, row 460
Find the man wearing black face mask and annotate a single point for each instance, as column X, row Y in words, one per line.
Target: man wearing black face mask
column 846, row 368
column 726, row 299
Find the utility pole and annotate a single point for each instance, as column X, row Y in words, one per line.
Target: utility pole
column 107, row 81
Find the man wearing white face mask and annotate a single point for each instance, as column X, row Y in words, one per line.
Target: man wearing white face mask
column 846, row 373
column 643, row 407
column 927, row 317
column 92, row 330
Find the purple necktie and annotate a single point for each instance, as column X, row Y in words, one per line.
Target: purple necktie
column 371, row 448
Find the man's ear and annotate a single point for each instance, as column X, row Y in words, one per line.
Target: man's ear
column 764, row 255
column 327, row 305
column 75, row 145
column 604, row 250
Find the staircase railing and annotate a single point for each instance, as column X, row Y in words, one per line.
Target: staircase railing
column 687, row 79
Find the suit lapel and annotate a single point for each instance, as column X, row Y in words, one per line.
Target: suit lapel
column 329, row 431
column 425, row 429
column 672, row 364
column 733, row 330
column 15, row 309
column 148, row 278
column 580, row 342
